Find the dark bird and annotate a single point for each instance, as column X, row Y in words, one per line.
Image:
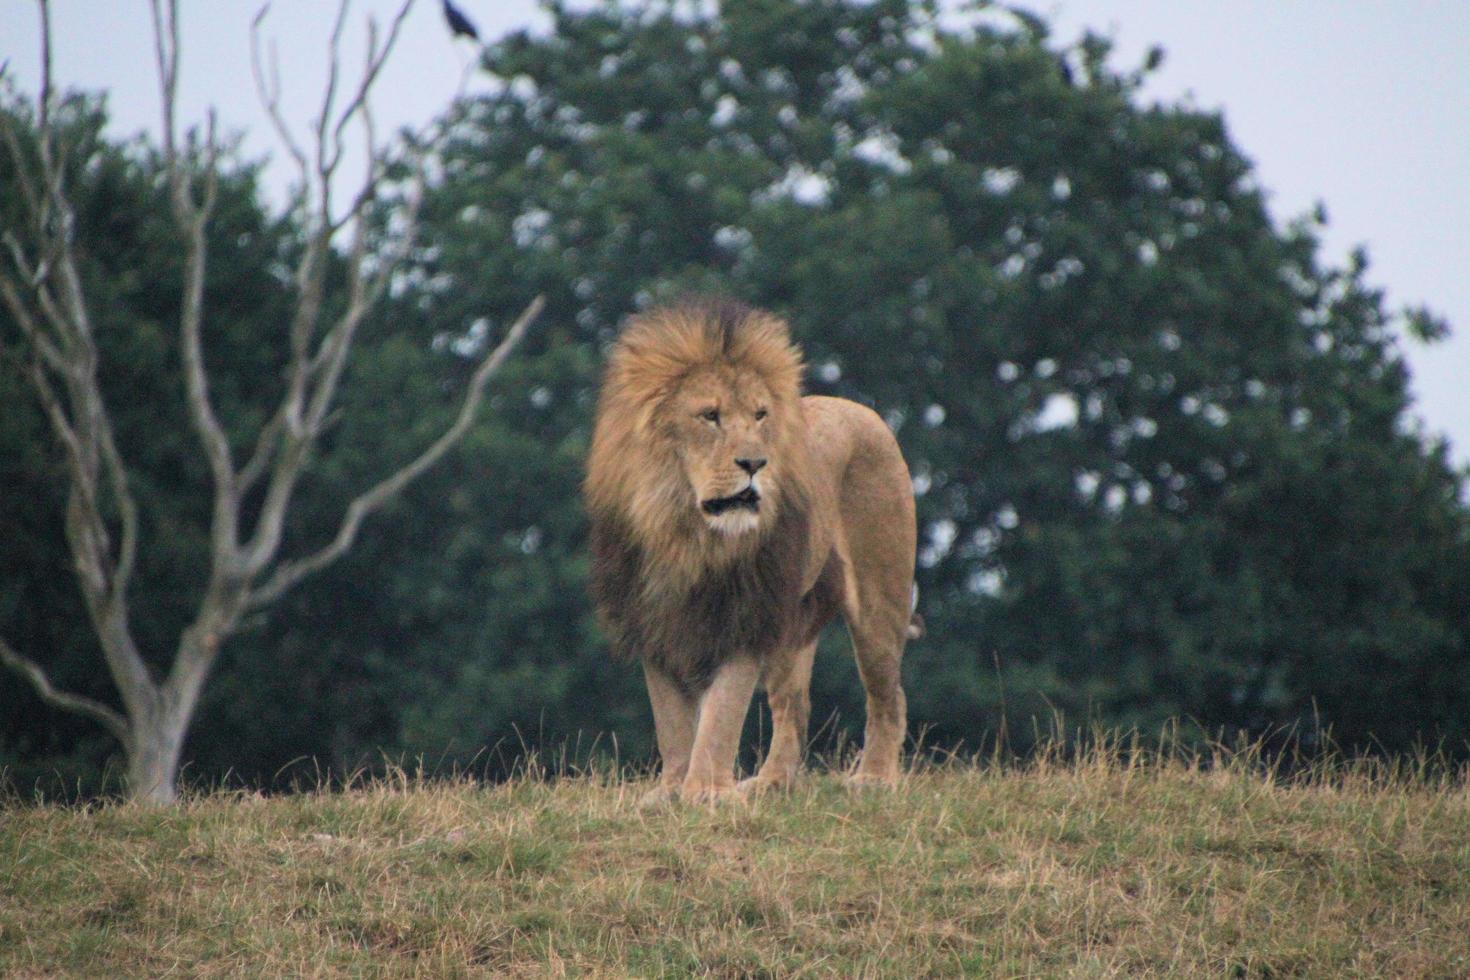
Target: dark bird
column 459, row 24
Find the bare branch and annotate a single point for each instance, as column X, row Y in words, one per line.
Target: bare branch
column 72, row 334
column 266, row 444
column 84, row 430
column 294, row 438
column 364, row 291
column 50, row 174
column 310, row 290
column 75, row 703
column 289, row 573
column 201, row 410
column 369, row 188
column 270, row 95
column 329, row 98
column 75, row 440
column 211, row 163
column 315, row 366
column 127, row 508
column 192, row 217
column 43, row 117
column 166, row 52
column 50, row 402
column 304, row 415
column 82, row 425
column 10, row 292
column 377, row 57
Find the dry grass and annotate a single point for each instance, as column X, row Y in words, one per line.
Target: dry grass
column 1095, row 867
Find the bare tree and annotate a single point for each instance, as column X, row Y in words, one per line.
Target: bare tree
column 42, row 288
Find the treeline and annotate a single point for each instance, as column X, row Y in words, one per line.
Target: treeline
column 1164, row 456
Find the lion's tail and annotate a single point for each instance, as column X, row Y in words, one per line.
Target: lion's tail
column 916, row 622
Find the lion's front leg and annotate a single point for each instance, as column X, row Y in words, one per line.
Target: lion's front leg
column 721, row 715
column 673, row 724
column 788, row 681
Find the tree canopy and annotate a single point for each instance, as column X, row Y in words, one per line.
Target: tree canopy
column 1163, row 452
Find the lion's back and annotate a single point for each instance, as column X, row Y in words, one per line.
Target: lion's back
column 850, row 441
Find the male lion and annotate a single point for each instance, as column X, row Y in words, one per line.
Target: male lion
column 731, row 520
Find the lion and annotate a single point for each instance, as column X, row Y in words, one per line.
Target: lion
column 731, row 520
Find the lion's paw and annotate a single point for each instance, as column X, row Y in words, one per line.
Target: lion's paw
column 860, row 781
column 761, row 785
column 660, row 796
column 711, row 795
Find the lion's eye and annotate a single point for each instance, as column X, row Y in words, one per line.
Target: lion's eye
column 711, row 415
column 760, row 413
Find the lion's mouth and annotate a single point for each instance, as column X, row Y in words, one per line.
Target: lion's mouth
column 747, row 499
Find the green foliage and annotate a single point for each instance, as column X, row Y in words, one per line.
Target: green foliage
column 1160, row 448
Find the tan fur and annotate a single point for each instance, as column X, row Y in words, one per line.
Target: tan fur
column 713, row 597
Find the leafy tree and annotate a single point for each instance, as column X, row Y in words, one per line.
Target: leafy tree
column 1161, row 448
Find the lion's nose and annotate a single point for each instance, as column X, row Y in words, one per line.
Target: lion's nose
column 751, row 465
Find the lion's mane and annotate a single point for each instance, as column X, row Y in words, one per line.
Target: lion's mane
column 667, row 589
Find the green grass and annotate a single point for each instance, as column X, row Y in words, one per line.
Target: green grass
column 1096, row 867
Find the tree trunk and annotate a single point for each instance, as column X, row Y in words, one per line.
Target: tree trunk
column 157, row 734
column 154, row 747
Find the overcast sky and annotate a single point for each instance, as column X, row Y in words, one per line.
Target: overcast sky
column 1362, row 105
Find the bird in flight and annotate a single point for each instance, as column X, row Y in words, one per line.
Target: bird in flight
column 459, row 24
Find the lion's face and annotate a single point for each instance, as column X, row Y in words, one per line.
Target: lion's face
column 699, row 445
column 724, row 433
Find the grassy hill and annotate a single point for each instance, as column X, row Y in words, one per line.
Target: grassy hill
column 1094, row 867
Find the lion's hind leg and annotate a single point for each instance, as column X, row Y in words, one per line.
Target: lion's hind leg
column 876, row 500
column 788, row 679
column 879, row 650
